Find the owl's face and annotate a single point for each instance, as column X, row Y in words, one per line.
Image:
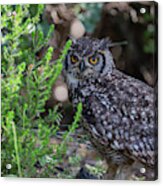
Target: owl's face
column 87, row 58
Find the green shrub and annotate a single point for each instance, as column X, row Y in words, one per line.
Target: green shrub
column 26, row 86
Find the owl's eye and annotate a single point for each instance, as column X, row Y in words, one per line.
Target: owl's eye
column 93, row 60
column 74, row 59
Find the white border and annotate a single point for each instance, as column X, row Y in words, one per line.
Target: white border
column 47, row 182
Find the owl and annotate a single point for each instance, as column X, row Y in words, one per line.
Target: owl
column 118, row 110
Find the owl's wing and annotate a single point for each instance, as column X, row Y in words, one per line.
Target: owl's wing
column 123, row 119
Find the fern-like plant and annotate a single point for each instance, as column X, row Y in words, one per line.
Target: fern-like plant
column 26, row 86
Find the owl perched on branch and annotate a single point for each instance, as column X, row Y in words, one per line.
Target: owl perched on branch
column 118, row 110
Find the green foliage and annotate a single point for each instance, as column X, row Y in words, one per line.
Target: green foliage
column 149, row 35
column 149, row 43
column 91, row 15
column 98, row 170
column 66, row 137
column 26, row 86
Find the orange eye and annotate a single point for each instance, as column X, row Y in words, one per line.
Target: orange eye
column 74, row 59
column 93, row 60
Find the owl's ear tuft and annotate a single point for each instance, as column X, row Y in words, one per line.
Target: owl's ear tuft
column 74, row 43
column 104, row 43
column 72, row 39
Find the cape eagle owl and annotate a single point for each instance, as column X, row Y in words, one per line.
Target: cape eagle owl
column 118, row 110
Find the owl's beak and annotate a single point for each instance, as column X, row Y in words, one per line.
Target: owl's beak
column 82, row 66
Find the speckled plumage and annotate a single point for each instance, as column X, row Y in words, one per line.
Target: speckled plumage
column 118, row 110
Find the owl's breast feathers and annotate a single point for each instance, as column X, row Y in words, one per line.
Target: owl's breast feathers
column 120, row 115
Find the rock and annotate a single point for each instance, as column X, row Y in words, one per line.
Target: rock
column 77, row 29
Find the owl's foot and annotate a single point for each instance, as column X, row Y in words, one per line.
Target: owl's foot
column 124, row 172
column 111, row 172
